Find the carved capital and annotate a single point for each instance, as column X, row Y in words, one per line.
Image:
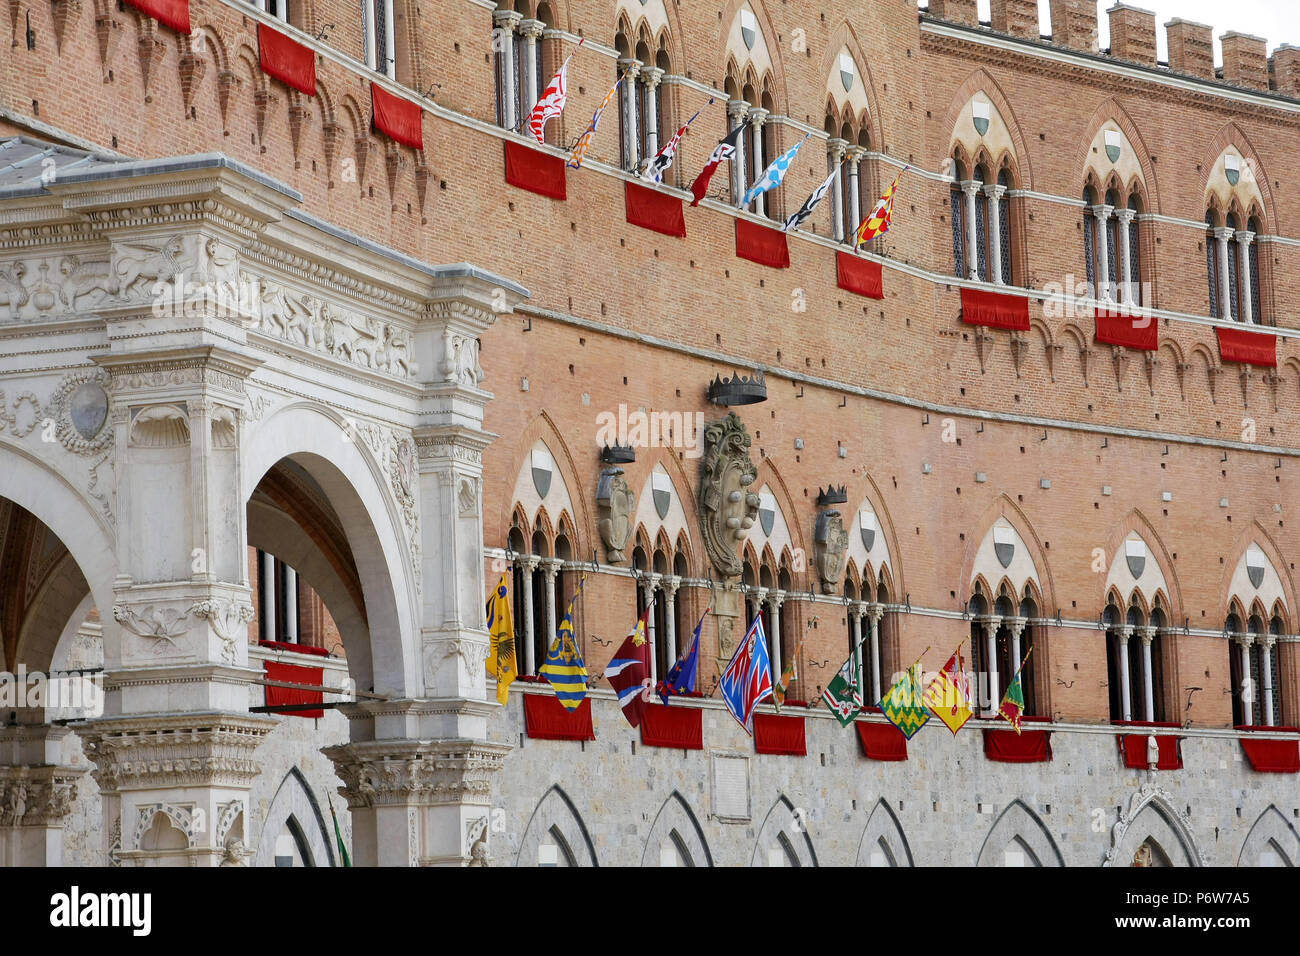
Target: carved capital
column 416, row 772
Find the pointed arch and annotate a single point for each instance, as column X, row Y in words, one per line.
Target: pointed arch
column 844, row 36
column 543, row 428
column 555, row 821
column 865, row 489
column 982, row 81
column 1256, row 534
column 770, row 40
column 1151, row 819
column 676, row 822
column 1004, row 508
column 770, row 475
column 1021, row 826
column 883, row 842
column 1272, row 841
column 1232, row 135
column 1136, row 522
column 295, row 801
column 1110, row 110
column 784, row 832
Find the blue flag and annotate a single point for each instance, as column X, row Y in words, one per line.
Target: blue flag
column 681, row 676
column 748, row 678
column 774, row 174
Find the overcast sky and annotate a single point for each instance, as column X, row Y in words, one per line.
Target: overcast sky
column 1278, row 21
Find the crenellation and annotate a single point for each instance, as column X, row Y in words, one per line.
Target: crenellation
column 1074, row 24
column 1245, row 60
column 1132, row 34
column 1016, row 17
column 1191, row 48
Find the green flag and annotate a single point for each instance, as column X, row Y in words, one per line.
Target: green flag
column 844, row 694
column 338, row 835
column 903, row 705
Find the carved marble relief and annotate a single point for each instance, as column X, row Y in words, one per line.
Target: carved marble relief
column 729, row 507
column 615, row 505
column 830, row 542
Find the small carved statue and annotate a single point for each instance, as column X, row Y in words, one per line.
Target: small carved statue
column 616, row 505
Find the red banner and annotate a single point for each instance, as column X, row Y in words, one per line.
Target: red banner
column 1135, row 751
column 994, row 309
column 397, row 118
column 779, row 735
column 1029, row 746
column 1272, row 756
column 881, row 741
column 760, row 244
column 287, row 60
column 1132, row 331
column 534, row 170
column 294, row 674
column 170, row 13
column 678, row 727
column 546, row 719
column 860, row 276
column 654, row 210
column 1253, row 348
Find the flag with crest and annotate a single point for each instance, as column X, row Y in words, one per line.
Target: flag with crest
column 564, row 667
column 747, row 681
column 501, row 636
column 881, row 218
column 948, row 695
column 843, row 695
column 681, row 676
column 628, row 671
column 1013, row 701
column 903, row 705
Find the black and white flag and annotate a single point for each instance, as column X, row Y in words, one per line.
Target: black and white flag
column 811, row 202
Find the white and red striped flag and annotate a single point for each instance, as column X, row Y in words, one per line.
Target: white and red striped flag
column 628, row 672
column 553, row 98
column 658, row 164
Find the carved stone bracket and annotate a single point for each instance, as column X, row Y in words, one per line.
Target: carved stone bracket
column 1019, row 346
column 1152, row 362
column 984, row 342
column 1119, row 357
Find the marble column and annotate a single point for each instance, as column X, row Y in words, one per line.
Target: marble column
column 855, row 612
column 631, row 136
column 1244, row 239
column 991, row 626
column 1266, row 668
column 290, row 578
column 970, row 190
column 1147, row 635
column 757, row 117
column 266, row 569
column 1222, row 235
column 506, row 22
column 993, row 193
column 1125, row 683
column 670, row 586
column 652, row 75
column 737, row 111
column 835, row 150
column 1126, row 280
column 1101, row 216
column 855, row 214
column 774, row 602
column 875, row 612
column 532, row 33
column 1249, row 692
column 528, row 564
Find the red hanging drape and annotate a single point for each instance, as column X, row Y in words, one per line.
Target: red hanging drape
column 534, row 170
column 860, row 276
column 1134, row 747
column 1272, row 756
column 1132, row 331
column 679, row 727
column 654, row 209
column 1030, row 746
column 760, row 244
column 170, row 13
column 980, row 307
column 1253, row 348
column 546, row 719
column 397, row 118
column 779, row 735
column 881, row 741
column 294, row 674
column 286, row 59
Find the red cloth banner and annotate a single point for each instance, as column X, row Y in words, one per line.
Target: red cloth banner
column 994, row 309
column 860, row 276
column 397, row 118
column 286, row 59
column 881, row 741
column 170, row 13
column 760, row 244
column 679, row 727
column 779, row 735
column 654, row 210
column 1006, row 746
column 295, row 648
column 1132, row 331
column 1135, row 751
column 536, row 171
column 546, row 719
column 294, row 674
column 1253, row 348
column 1272, row 756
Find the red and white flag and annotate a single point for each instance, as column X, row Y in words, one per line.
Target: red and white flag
column 553, row 98
column 726, row 149
column 628, row 672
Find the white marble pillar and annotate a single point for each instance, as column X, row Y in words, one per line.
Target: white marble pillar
column 970, row 190
column 670, row 586
column 991, row 663
column 774, row 601
column 266, row 568
column 1146, row 635
column 290, row 579
column 737, row 111
column 1125, row 698
column 650, row 586
column 994, row 193
column 855, row 191
column 1266, row 669
column 835, row 150
column 855, row 635
column 631, row 136
column 1101, row 216
column 1247, row 681
column 1222, row 235
column 1126, row 280
column 527, row 566
column 652, row 75
column 874, row 614
column 532, row 33
column 1244, row 239
column 551, row 569
column 757, row 117
column 506, row 21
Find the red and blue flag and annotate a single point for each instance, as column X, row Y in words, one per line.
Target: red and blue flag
column 747, row 681
column 681, row 676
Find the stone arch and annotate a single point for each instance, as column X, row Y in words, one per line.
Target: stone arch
column 543, row 428
column 883, row 842
column 784, row 832
column 866, row 490
column 1136, row 522
column 982, row 81
column 1111, row 111
column 355, row 485
column 1003, row 508
column 1232, row 135
column 844, row 37
column 769, row 475
column 1271, row 835
column 1233, row 585
column 1020, row 826
column 1151, row 819
column 295, row 801
column 46, row 619
column 677, row 823
column 662, row 27
column 556, row 822
column 730, row 12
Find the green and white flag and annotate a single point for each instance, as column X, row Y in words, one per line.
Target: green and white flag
column 844, row 694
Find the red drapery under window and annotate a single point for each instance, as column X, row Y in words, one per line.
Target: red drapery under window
column 170, row 13
column 780, row 735
column 286, row 59
column 397, row 118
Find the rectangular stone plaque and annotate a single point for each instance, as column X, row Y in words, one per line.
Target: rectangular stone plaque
column 730, row 787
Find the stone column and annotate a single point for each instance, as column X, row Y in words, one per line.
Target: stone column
column 737, row 110
column 1244, row 239
column 1247, row 680
column 874, row 614
column 1125, row 698
column 1146, row 635
column 532, row 32
column 506, row 22
column 1101, row 215
column 37, row 790
column 650, row 584
column 550, row 568
column 994, row 193
column 1125, row 217
column 1266, row 673
column 1015, row 627
column 266, row 568
column 855, row 612
column 529, row 566
column 835, row 151
column 991, row 626
column 757, row 117
column 1222, row 235
column 855, row 190
column 774, row 601
column 670, row 586
column 652, row 76
column 631, row 139
column 970, row 189
column 290, row 603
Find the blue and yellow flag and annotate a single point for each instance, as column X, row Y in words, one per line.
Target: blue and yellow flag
column 903, row 705
column 501, row 634
column 564, row 666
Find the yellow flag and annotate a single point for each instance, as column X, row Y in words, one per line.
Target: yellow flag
column 501, row 630
column 948, row 695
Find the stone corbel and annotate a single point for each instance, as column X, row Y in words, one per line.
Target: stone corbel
column 983, row 347
column 151, row 50
column 1245, row 375
column 66, row 13
column 1152, row 361
column 1181, row 368
column 1019, row 345
column 423, row 171
column 227, row 82
column 331, row 139
column 299, row 116
column 1213, row 380
column 1085, row 353
column 394, row 163
column 363, row 147
column 1119, row 358
column 192, row 68
column 264, row 102
column 107, row 31
column 1053, row 352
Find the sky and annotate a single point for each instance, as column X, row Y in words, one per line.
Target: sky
column 1277, row 21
